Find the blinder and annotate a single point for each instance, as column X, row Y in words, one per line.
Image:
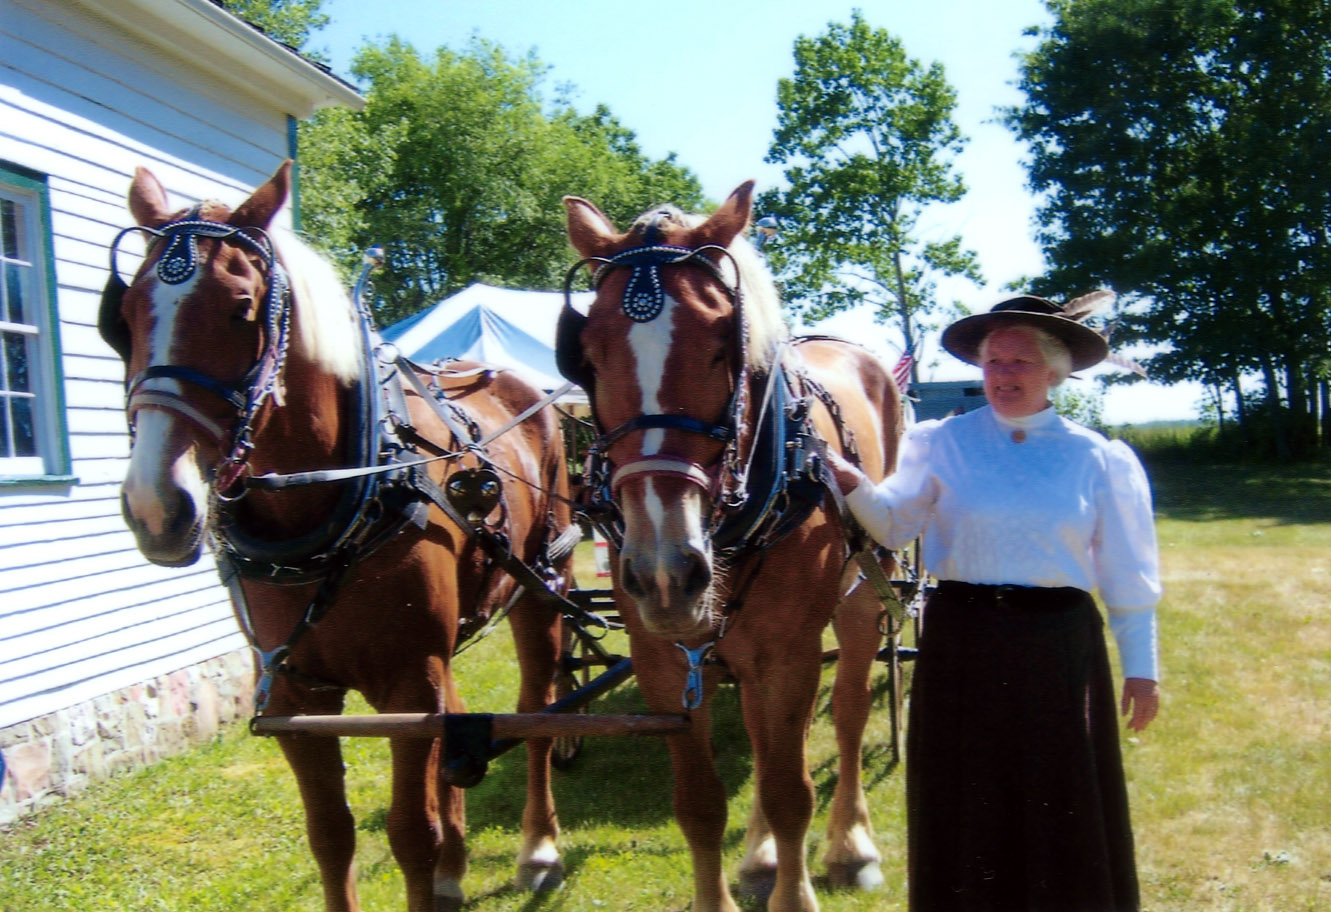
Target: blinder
column 111, row 325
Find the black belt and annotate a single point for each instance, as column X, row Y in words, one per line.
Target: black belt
column 1038, row 598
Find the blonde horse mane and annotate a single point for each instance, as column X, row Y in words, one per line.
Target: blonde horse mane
column 763, row 314
column 324, row 320
column 762, row 304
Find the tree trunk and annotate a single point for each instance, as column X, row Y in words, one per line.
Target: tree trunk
column 1279, row 433
column 1240, row 407
column 1218, row 394
column 1324, row 388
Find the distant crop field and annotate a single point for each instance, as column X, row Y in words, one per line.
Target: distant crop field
column 1231, row 787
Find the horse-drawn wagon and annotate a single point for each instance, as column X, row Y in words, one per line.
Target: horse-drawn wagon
column 369, row 514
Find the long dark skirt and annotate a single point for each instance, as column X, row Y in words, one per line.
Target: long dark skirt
column 1015, row 794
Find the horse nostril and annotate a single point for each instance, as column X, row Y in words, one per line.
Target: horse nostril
column 697, row 573
column 630, row 580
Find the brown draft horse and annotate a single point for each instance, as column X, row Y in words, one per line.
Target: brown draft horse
column 675, row 352
column 208, row 331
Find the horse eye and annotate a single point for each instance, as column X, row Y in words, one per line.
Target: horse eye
column 244, row 308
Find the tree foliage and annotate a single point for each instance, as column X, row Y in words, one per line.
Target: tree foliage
column 1179, row 150
column 288, row 21
column 867, row 139
column 457, row 170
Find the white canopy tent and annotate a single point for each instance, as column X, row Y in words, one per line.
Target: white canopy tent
column 503, row 326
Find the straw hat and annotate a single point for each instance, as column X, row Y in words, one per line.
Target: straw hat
column 1087, row 346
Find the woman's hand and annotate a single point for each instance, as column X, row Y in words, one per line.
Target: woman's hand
column 1141, row 699
column 848, row 478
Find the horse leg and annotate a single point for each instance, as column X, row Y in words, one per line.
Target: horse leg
column 698, row 798
column 852, row 859
column 757, row 870
column 320, row 775
column 426, row 817
column 778, row 707
column 536, row 636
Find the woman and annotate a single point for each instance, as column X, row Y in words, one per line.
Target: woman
column 1015, row 791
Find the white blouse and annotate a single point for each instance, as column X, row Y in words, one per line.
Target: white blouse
column 1036, row 501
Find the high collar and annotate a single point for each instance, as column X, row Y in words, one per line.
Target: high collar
column 1041, row 419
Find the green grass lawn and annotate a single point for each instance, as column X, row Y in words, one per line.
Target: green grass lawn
column 1231, row 787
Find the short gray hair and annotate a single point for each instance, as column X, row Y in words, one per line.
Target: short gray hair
column 1057, row 355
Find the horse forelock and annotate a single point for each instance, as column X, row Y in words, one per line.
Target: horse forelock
column 767, row 327
column 327, row 333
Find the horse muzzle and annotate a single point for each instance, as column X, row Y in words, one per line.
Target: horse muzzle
column 165, row 496
column 665, row 563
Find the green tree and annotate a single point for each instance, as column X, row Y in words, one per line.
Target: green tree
column 1178, row 147
column 457, row 169
column 288, row 21
column 867, row 139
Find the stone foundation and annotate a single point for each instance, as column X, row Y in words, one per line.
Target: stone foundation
column 60, row 754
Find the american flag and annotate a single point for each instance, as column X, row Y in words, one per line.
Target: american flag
column 901, row 372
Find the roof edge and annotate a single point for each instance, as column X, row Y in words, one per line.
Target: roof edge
column 230, row 50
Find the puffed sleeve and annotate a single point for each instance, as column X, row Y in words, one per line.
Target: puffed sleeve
column 1127, row 561
column 897, row 509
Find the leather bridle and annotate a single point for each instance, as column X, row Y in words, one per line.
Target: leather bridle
column 642, row 302
column 261, row 382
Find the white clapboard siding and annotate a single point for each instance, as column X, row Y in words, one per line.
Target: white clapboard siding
column 103, row 519
column 103, row 673
column 84, row 103
column 137, row 586
column 94, row 367
column 82, row 63
column 29, row 635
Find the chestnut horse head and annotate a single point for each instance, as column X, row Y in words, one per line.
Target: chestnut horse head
column 684, row 315
column 223, row 317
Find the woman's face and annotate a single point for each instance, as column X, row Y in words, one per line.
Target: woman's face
column 1017, row 379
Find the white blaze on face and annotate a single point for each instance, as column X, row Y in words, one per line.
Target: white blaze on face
column 650, row 343
column 149, row 478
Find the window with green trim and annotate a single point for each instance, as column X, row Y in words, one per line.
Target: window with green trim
column 31, row 427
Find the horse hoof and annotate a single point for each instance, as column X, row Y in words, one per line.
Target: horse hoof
column 537, row 877
column 864, row 876
column 448, row 897
column 757, row 885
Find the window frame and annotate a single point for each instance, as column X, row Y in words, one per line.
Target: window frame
column 54, row 464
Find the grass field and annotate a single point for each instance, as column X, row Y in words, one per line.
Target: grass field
column 1231, row 787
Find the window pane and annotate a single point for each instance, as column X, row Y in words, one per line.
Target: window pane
column 17, row 280
column 14, row 359
column 10, row 213
column 25, row 436
column 5, row 450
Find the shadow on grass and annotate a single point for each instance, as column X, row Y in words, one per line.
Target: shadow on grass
column 622, row 780
column 1199, row 492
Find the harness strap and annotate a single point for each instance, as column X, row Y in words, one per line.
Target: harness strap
column 496, row 548
column 662, row 465
column 870, row 569
column 164, row 401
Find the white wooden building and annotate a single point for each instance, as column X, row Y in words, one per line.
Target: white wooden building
column 107, row 662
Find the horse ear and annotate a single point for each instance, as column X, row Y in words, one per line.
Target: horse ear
column 589, row 231
column 263, row 204
column 147, row 199
column 725, row 224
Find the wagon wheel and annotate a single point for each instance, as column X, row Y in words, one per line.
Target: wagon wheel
column 574, row 673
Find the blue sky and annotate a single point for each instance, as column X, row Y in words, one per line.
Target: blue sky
column 699, row 79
